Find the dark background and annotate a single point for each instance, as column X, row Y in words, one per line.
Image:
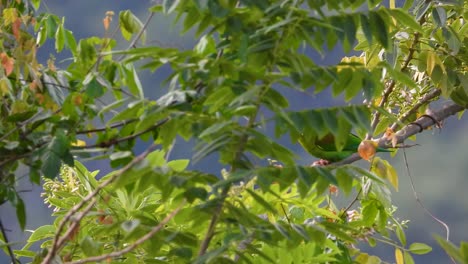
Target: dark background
column 439, row 165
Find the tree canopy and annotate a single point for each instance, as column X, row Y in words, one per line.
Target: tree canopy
column 228, row 95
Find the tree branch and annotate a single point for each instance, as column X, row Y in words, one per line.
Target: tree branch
column 8, row 247
column 59, row 241
column 100, row 129
column 410, row 129
column 132, row 246
column 116, row 141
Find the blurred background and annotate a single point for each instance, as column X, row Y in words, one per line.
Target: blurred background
column 439, row 165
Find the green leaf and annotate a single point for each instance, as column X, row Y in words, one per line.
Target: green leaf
column 130, row 24
column 56, row 152
column 369, row 213
column 133, row 110
column 178, row 165
column 90, row 247
column 36, row 4
column 345, row 180
column 21, row 213
column 345, row 76
column 400, row 233
column 449, row 248
column 195, row 193
column 379, row 29
column 70, row 41
column 440, row 16
column 93, row 88
column 133, row 81
column 366, row 28
column 156, row 158
column 353, row 87
column 301, row 231
column 205, row 46
column 419, row 248
column 59, row 38
column 215, row 128
column 51, row 24
column 261, row 201
column 183, row 252
column 306, row 175
column 350, row 33
column 408, row 258
column 170, row 5
column 464, row 250
column 43, row 232
column 282, row 230
column 24, row 253
column 403, row 17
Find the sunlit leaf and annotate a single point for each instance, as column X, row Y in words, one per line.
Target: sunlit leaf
column 399, row 256
column 420, row 248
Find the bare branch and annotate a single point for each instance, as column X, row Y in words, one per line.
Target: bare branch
column 138, row 242
column 59, row 241
column 410, row 129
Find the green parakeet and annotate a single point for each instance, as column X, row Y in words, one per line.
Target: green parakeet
column 325, row 147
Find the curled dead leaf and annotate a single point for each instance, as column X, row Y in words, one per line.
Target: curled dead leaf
column 390, row 134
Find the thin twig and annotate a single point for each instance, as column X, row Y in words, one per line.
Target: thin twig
column 138, row 36
column 100, row 129
column 285, row 213
column 213, row 222
column 356, row 198
column 135, row 244
column 418, row 200
column 116, row 141
column 59, row 241
column 391, row 85
column 7, row 245
column 424, row 100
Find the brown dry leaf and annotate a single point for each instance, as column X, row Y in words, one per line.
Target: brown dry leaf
column 390, row 134
column 367, row 149
column 74, row 232
column 8, row 63
column 106, row 23
column 16, row 29
column 78, row 100
column 107, row 20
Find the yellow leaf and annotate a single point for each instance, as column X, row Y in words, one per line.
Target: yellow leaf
column 79, row 143
column 392, row 176
column 5, row 86
column 399, row 256
column 430, row 62
column 384, row 170
column 9, row 16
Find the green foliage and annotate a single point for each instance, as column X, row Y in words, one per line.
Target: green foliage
column 226, row 94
